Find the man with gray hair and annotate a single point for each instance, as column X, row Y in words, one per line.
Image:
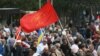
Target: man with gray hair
column 58, row 50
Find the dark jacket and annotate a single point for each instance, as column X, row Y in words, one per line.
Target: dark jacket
column 66, row 50
column 19, row 51
column 45, row 54
column 6, row 50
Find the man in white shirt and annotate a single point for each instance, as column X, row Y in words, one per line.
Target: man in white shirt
column 7, row 29
column 41, row 46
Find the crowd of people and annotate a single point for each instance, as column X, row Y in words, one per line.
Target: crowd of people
column 70, row 41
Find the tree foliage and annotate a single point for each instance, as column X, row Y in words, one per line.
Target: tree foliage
column 70, row 8
column 74, row 5
column 60, row 5
column 22, row 4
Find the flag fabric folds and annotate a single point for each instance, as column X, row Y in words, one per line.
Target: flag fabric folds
column 40, row 34
column 42, row 18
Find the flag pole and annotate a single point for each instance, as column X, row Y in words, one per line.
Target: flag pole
column 52, row 2
column 39, row 4
column 62, row 30
column 60, row 23
column 17, row 36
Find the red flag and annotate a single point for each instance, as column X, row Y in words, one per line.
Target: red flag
column 43, row 17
